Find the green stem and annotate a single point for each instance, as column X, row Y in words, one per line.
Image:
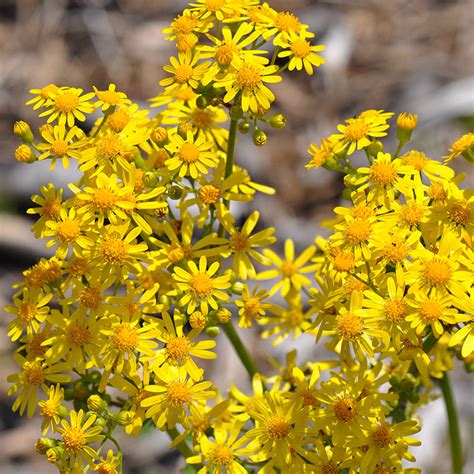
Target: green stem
column 183, row 447
column 239, row 347
column 454, row 435
column 229, row 161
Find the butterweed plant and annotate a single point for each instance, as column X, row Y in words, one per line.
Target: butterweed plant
column 150, row 265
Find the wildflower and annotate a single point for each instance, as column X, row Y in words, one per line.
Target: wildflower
column 289, row 271
column 110, row 98
column 44, row 96
column 51, row 408
column 322, row 154
column 432, row 169
column 462, row 146
column 68, row 105
column 251, row 306
column 77, row 435
column 49, row 203
column 200, row 287
column 109, row 464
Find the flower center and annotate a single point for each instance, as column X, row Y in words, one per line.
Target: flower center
column 437, row 271
column 189, row 152
column 286, row 21
column 344, row 261
column 239, row 242
column 26, row 312
column 209, row 194
column 463, row 143
column 60, row 147
column 47, row 90
column 178, row 394
column 459, row 212
column 214, row 5
column 395, row 310
column 118, row 120
column 203, row 119
column 414, row 158
column 109, row 147
column 90, row 298
column 395, row 251
column 412, row 214
column 248, row 77
column 68, row 230
column 383, row 173
column 431, row 310
column 382, row 436
column 114, row 250
column 51, row 208
column 301, row 48
column 125, row 337
column 437, row 192
column 221, row 455
column 330, row 469
column 288, row 269
column 104, row 199
column 349, row 326
column 78, row 334
column 309, row 399
column 225, row 53
column 184, row 24
column 49, row 408
column 278, row 427
column 33, row 373
column 109, row 97
column 78, row 267
column 345, row 409
column 178, row 348
column 201, row 284
column 362, row 211
column 358, row 231
column 252, row 306
column 74, row 439
column 356, row 129
column 66, row 102
column 183, row 73
column 294, row 317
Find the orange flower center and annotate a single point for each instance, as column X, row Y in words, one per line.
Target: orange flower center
column 118, row 120
column 431, row 310
column 209, row 194
column 125, row 337
column 286, row 21
column 225, row 53
column 252, row 306
column 68, row 230
column 345, row 410
column 66, row 102
column 33, row 373
column 438, row 271
column 239, row 242
column 301, row 48
column 78, row 334
column 49, row 408
column 349, row 326
column 383, row 174
column 356, row 129
column 178, row 394
column 395, row 251
column 248, row 77
column 459, row 212
column 60, row 147
column 382, row 436
column 278, row 427
column 183, row 73
column 90, row 297
column 201, row 285
column 189, row 152
column 114, row 250
column 395, row 310
column 51, row 208
column 109, row 97
column 358, row 231
column 104, row 199
column 178, row 348
column 26, row 312
column 411, row 214
column 74, row 439
column 221, row 455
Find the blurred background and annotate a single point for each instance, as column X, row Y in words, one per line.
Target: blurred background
column 398, row 55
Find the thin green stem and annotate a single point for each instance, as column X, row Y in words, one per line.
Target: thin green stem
column 183, row 447
column 454, row 434
column 239, row 347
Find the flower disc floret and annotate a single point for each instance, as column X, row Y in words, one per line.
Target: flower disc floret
column 345, row 409
column 125, row 337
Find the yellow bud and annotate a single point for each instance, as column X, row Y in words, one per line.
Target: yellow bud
column 197, row 320
column 24, row 154
column 124, row 418
column 184, row 128
column 406, row 123
column 259, row 137
column 23, row 131
column 54, row 454
column 160, row 136
column 96, row 404
column 223, row 315
column 46, row 128
column 43, row 444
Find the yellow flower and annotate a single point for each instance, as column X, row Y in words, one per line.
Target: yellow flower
column 33, row 375
column 301, row 52
column 109, row 465
column 172, row 394
column 464, row 145
column 49, row 203
column 322, row 154
column 44, row 96
column 248, row 79
column 179, row 348
column 61, row 145
column 199, row 286
column 191, row 157
column 432, row 169
column 76, row 435
column 290, row 270
column 68, row 105
column 51, row 408
column 251, row 306
column 110, row 98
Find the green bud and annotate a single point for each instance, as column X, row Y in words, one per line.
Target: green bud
column 150, row 179
column 237, row 287
column 212, row 331
column 100, row 421
column 202, row 102
column 215, row 101
column 236, row 112
column 395, row 381
column 332, row 164
column 407, row 384
column 96, row 404
column 346, row 194
column 375, row 147
column 43, row 444
column 63, row 412
column 23, row 131
column 277, row 121
column 259, row 137
column 68, row 393
column 413, row 397
column 175, row 192
column 164, row 300
column 95, row 376
column 244, row 127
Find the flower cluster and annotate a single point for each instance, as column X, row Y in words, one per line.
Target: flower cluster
column 150, row 264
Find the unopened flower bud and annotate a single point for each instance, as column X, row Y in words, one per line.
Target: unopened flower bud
column 237, row 287
column 413, row 397
column 223, row 315
column 277, row 121
column 395, row 380
column 100, row 421
column 406, row 123
column 124, row 418
column 53, row 455
column 202, row 102
column 23, row 131
column 24, row 154
column 150, row 179
column 46, row 128
column 184, row 128
column 215, row 101
column 375, row 147
column 197, row 320
column 96, row 404
column 212, row 331
column 407, row 384
column 43, row 444
column 160, row 136
column 244, row 127
column 259, row 137
column 175, row 192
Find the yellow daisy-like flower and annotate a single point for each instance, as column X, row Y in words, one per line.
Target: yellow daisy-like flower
column 218, row 9
column 110, row 464
column 249, row 78
column 185, row 70
column 51, row 408
column 77, row 435
column 49, row 203
column 44, row 96
column 172, row 394
column 179, row 348
column 222, row 455
column 68, row 105
column 250, row 306
column 33, row 375
column 301, row 52
column 199, row 286
column 357, row 133
column 61, row 145
column 30, row 311
column 191, row 157
column 464, row 145
column 290, row 270
column 110, row 98
column 322, row 154
column 432, row 169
